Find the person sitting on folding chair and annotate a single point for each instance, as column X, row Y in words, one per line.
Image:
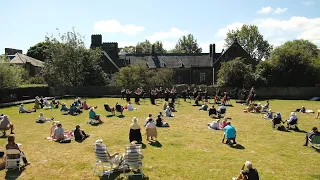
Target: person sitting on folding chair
column 309, row 135
column 276, row 120
column 103, row 155
column 109, row 109
column 119, row 108
column 12, row 145
column 293, row 120
column 6, row 125
column 133, row 151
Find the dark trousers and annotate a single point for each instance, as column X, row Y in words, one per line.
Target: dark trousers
column 308, row 135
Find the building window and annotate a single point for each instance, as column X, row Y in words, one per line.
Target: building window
column 202, row 78
column 179, row 80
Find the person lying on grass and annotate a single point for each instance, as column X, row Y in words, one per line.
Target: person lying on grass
column 42, row 119
column 303, row 110
column 23, row 110
column 6, row 125
column 249, row 174
column 80, row 135
column 12, row 145
column 214, row 125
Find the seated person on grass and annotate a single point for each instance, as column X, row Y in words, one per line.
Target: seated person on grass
column 309, row 135
column 251, row 107
column 214, row 125
column 213, row 112
column 74, row 110
column 58, row 133
column 103, row 155
column 269, row 115
column 6, row 125
column 79, row 134
column 42, row 119
column 229, row 134
column 204, row 107
column 23, row 110
column 169, row 112
column 53, row 127
column 223, row 123
column 130, row 107
column 109, row 109
column 171, row 105
column 249, row 174
column 37, row 104
column 165, row 105
column 12, row 145
column 222, row 110
column 119, row 108
column 293, row 119
column 160, row 123
column 94, row 116
column 266, row 106
column 258, row 108
column 148, row 119
column 46, row 104
column 64, row 108
column 85, row 106
column 55, row 103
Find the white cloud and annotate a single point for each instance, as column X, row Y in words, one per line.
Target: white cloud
column 308, row 3
column 280, row 10
column 172, row 33
column 278, row 31
column 265, row 10
column 112, row 26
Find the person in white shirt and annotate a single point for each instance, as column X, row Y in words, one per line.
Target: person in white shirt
column 58, row 133
column 169, row 112
column 6, row 125
column 214, row 125
column 42, row 119
column 130, row 107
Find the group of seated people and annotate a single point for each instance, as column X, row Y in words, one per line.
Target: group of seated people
column 116, row 108
column 292, row 121
column 43, row 103
column 58, row 134
column 218, row 124
column 257, row 108
column 217, row 114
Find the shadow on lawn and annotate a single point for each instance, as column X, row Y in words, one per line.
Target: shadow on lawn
column 116, row 176
column 13, row 174
column 121, row 116
column 155, row 144
column 237, row 146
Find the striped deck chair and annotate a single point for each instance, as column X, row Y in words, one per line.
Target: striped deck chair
column 102, row 160
column 315, row 142
column 133, row 159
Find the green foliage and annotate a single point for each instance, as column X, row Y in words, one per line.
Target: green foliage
column 38, row 51
column 11, row 76
column 128, row 49
column 236, row 73
column 187, row 44
column 141, row 76
column 292, row 64
column 36, row 80
column 70, row 63
column 251, row 40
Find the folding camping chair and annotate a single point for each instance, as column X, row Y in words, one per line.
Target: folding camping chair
column 132, row 158
column 14, row 159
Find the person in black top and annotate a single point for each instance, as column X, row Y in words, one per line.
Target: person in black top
column 128, row 95
column 309, row 135
column 213, row 112
column 79, row 135
column 249, row 174
column 184, row 95
column 123, row 92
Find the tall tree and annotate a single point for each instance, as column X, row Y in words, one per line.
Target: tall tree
column 158, row 46
column 187, row 44
column 144, row 46
column 11, row 76
column 128, row 49
column 251, row 40
column 70, row 63
column 292, row 64
column 38, row 51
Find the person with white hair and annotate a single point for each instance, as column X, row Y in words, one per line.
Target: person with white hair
column 292, row 120
column 94, row 116
column 6, row 125
column 103, row 155
column 249, row 174
column 135, row 131
column 42, row 119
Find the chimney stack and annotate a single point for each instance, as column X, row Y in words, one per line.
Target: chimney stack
column 210, row 50
column 213, row 49
column 153, row 51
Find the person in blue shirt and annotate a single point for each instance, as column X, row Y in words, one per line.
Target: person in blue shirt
column 93, row 115
column 229, row 134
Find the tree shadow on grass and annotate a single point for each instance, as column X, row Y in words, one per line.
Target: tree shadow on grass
column 155, row 144
column 299, row 131
column 237, row 146
column 116, row 176
column 14, row 174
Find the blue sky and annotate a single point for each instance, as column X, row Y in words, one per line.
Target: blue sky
column 26, row 22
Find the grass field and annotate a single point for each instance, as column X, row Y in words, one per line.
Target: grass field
column 189, row 150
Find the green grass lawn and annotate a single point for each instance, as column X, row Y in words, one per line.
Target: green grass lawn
column 189, row 150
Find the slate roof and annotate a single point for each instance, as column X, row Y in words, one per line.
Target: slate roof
column 171, row 60
column 22, row 59
column 235, row 43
